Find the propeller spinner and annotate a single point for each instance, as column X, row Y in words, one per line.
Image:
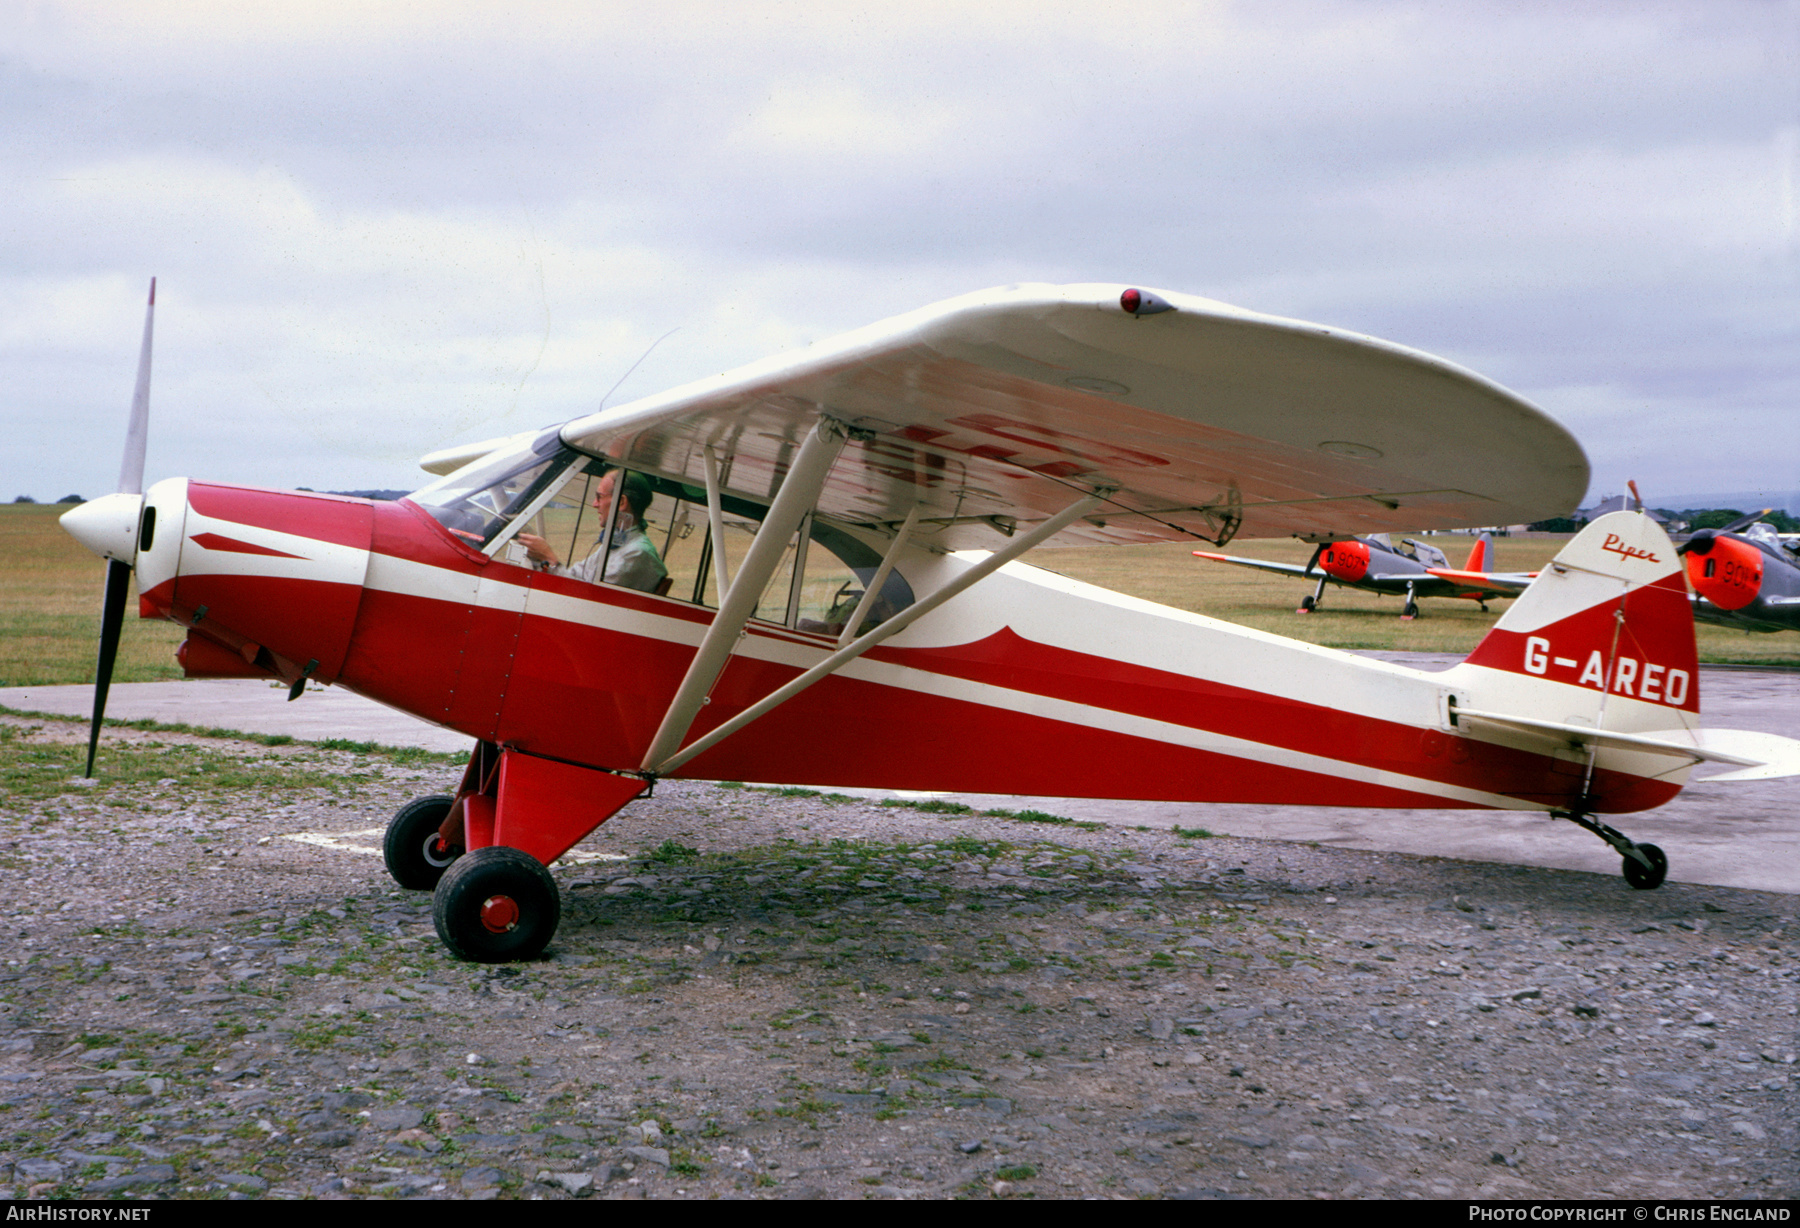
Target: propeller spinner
column 112, row 528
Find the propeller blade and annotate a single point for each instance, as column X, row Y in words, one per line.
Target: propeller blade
column 118, row 573
column 1314, row 560
column 137, row 430
column 1702, row 539
column 112, row 622
column 1744, row 522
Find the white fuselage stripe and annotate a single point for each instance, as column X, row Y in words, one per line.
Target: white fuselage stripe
column 414, row 579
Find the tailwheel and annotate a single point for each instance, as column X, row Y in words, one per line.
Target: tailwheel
column 1644, row 865
column 1642, row 876
column 496, row 904
column 416, row 855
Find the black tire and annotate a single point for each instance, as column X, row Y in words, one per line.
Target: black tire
column 1411, row 610
column 410, row 847
column 1307, row 606
column 496, row 904
column 1643, row 879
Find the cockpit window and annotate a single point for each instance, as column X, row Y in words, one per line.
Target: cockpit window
column 839, row 569
column 541, row 504
column 480, row 501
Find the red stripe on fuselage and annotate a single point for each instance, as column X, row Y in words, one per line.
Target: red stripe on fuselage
column 1007, row 659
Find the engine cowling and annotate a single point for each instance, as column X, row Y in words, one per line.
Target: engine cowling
column 1724, row 570
column 1345, row 560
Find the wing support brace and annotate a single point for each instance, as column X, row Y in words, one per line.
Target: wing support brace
column 855, row 648
column 799, row 491
column 715, row 522
column 881, row 575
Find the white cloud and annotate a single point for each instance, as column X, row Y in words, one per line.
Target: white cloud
column 382, row 226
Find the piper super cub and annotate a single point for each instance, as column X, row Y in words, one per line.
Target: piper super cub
column 804, row 571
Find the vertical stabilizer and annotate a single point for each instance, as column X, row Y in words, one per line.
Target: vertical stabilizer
column 1481, row 558
column 1607, row 628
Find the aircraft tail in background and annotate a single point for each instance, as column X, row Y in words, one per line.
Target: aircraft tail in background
column 1481, row 558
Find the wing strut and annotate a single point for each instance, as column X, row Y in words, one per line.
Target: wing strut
column 881, row 575
column 715, row 520
column 854, row 649
column 799, row 491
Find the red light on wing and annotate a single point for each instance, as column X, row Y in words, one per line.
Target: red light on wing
column 1729, row 574
column 1345, row 561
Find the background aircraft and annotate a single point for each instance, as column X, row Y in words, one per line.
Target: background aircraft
column 840, row 604
column 1745, row 575
column 1413, row 569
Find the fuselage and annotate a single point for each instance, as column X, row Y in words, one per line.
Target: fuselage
column 1029, row 683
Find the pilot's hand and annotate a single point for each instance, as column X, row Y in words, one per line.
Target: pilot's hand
column 537, row 549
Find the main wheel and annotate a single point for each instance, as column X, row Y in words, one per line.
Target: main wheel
column 1410, row 612
column 416, row 858
column 496, row 904
column 1307, row 605
column 1644, row 879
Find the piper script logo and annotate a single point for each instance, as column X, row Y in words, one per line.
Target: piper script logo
column 1616, row 545
column 1637, row 679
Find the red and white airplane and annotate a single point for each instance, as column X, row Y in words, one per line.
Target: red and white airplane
column 1412, row 569
column 808, row 575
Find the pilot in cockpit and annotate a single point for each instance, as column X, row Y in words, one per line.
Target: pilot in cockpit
column 632, row 560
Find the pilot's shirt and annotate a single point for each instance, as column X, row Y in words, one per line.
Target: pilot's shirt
column 633, row 564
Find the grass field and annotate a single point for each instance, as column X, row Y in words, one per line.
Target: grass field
column 50, row 603
column 50, row 608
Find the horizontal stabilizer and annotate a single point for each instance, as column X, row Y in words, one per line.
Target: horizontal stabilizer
column 1775, row 755
column 1696, row 745
column 1500, row 581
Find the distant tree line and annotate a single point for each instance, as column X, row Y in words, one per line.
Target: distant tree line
column 1719, row 517
column 64, row 499
column 1684, row 520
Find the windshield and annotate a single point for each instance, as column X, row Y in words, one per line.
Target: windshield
column 480, row 501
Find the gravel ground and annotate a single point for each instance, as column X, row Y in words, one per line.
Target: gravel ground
column 761, row 995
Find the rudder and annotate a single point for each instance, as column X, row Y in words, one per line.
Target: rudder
column 1610, row 614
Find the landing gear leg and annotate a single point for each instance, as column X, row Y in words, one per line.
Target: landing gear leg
column 1309, row 604
column 1645, row 866
column 1412, row 607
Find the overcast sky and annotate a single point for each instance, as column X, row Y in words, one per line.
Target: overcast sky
column 382, row 228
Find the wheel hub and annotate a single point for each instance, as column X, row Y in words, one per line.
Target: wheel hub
column 499, row 914
column 438, row 851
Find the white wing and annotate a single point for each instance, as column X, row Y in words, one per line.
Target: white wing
column 996, row 409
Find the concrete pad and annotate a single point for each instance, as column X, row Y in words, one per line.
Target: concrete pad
column 1729, row 835
column 249, row 705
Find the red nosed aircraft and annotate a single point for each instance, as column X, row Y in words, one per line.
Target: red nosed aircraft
column 1745, row 575
column 805, row 571
column 1412, row 569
